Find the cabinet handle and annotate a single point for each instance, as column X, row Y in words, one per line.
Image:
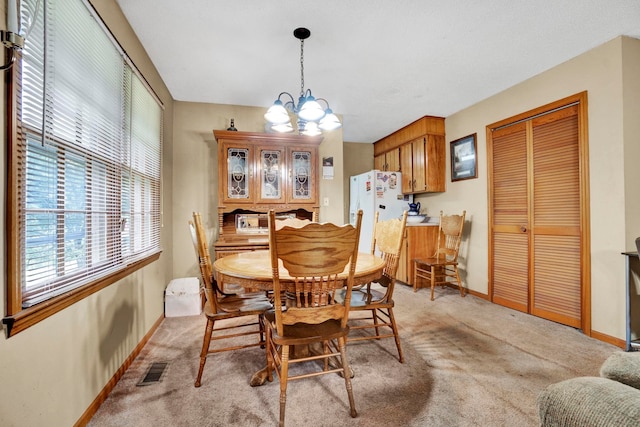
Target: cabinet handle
column 523, row 229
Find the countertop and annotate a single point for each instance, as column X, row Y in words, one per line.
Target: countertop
column 427, row 223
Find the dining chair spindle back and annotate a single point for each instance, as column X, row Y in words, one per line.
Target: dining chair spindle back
column 315, row 256
column 442, row 268
column 376, row 299
column 221, row 306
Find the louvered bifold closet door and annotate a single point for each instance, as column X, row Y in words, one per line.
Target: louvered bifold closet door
column 510, row 239
column 556, row 280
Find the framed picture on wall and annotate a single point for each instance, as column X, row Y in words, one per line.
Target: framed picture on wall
column 464, row 163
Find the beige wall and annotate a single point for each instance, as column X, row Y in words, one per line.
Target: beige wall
column 631, row 136
column 53, row 371
column 358, row 158
column 195, row 177
column 610, row 74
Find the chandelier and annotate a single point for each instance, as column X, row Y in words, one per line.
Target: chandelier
column 312, row 118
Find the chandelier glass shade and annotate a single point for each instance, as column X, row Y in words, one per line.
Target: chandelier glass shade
column 312, row 118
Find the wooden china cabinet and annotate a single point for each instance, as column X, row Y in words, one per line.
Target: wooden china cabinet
column 258, row 172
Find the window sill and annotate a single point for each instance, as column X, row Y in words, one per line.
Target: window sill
column 30, row 316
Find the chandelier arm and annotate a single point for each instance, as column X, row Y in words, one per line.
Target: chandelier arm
column 291, row 98
column 289, row 104
column 325, row 101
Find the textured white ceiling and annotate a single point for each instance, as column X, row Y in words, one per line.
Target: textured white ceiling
column 380, row 64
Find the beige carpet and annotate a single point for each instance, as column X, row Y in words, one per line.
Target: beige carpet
column 468, row 363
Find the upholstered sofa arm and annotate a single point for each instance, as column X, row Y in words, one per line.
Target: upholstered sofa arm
column 589, row 401
column 623, row 367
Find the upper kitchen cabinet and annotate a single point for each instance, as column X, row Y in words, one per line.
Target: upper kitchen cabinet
column 422, row 163
column 420, row 147
column 389, row 161
column 266, row 171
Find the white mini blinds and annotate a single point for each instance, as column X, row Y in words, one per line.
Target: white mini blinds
column 89, row 136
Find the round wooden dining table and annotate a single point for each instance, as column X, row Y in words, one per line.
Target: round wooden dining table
column 253, row 270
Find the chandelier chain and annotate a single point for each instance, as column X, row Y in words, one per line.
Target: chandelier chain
column 301, row 67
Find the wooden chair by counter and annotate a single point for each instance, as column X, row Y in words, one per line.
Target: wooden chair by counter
column 220, row 306
column 378, row 301
column 313, row 256
column 443, row 266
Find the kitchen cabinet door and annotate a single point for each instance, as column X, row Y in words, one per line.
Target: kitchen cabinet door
column 393, row 160
column 422, row 162
column 389, row 161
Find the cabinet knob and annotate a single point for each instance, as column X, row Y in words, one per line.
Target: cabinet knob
column 523, row 229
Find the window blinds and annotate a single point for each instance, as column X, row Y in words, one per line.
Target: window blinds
column 90, row 135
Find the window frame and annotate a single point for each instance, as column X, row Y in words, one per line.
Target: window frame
column 18, row 317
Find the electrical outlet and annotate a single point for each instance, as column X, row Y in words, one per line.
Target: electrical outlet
column 325, row 202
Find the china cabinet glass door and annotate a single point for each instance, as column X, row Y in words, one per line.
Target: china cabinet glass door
column 271, row 175
column 238, row 168
column 302, row 172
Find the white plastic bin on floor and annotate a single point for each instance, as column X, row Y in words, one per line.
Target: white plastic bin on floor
column 183, row 298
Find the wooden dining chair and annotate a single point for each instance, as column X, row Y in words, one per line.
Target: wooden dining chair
column 442, row 268
column 376, row 299
column 292, row 222
column 220, row 306
column 314, row 257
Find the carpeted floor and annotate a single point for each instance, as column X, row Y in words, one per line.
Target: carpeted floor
column 467, row 363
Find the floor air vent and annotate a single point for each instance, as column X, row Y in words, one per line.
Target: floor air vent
column 155, row 373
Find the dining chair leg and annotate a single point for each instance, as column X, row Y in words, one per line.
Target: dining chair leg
column 325, row 350
column 374, row 314
column 433, row 280
column 284, row 375
column 269, row 354
column 346, row 373
column 205, row 350
column 459, row 282
column 263, row 339
column 396, row 335
column 415, row 277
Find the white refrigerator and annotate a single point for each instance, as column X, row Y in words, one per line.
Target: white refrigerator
column 376, row 191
